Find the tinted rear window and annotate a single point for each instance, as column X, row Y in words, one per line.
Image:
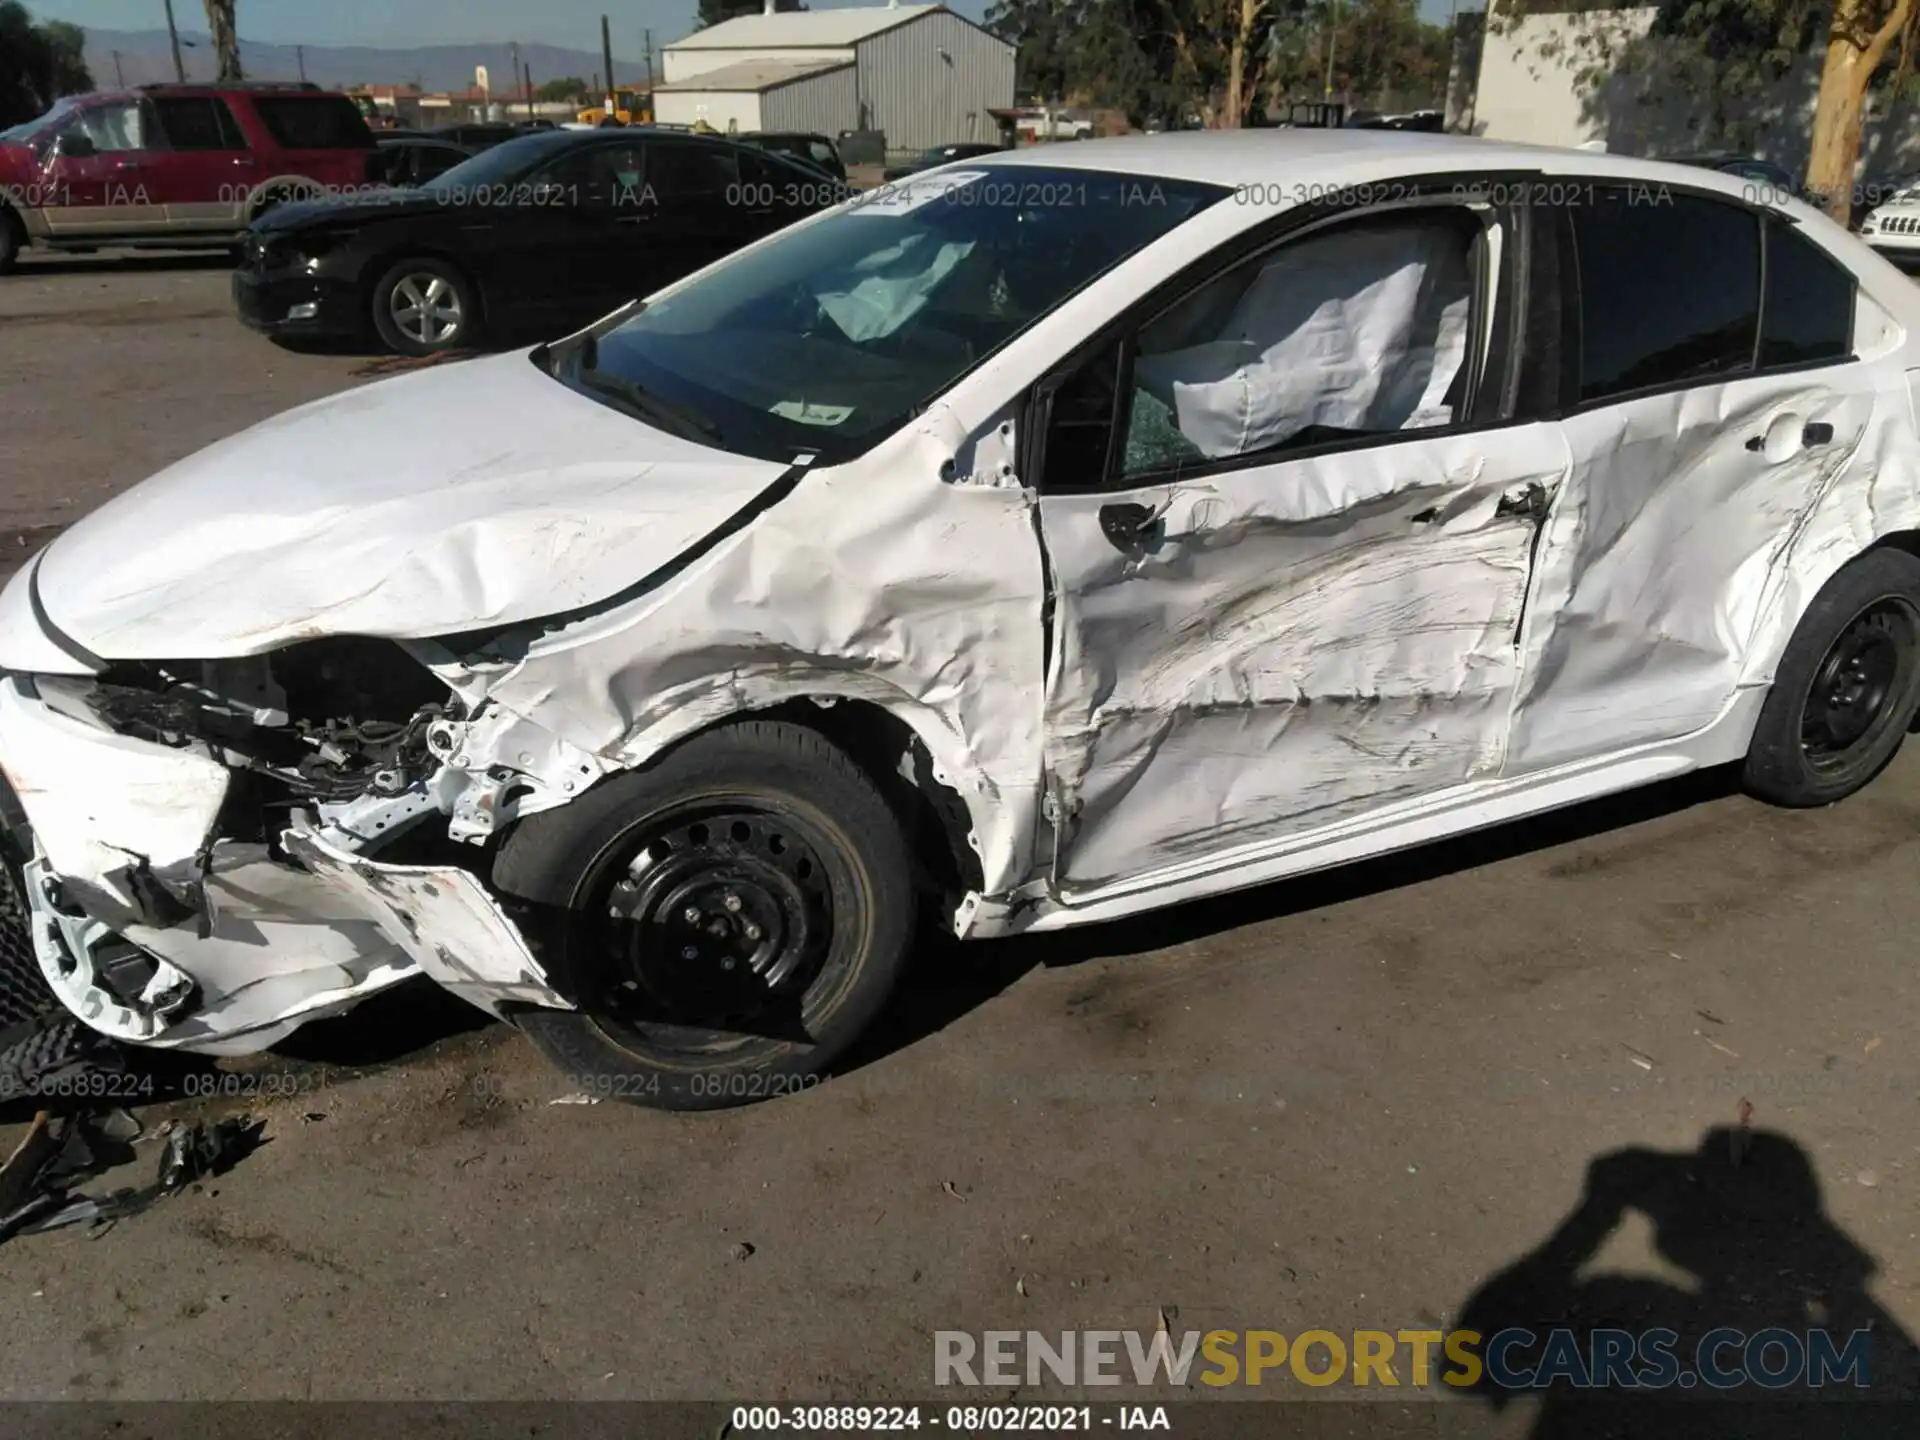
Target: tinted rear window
column 314, row 122
column 1809, row 309
column 199, row 124
column 1669, row 289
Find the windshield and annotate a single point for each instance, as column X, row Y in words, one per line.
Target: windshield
column 837, row 332
column 505, row 162
column 28, row 129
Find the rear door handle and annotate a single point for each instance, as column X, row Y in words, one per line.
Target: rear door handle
column 1813, row 435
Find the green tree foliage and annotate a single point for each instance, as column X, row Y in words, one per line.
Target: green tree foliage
column 1725, row 57
column 1166, row 59
column 38, row 63
column 712, row 12
column 572, row 87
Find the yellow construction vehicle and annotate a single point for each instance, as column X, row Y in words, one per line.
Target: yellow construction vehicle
column 630, row 109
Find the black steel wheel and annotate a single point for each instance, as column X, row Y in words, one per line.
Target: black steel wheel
column 729, row 920
column 1847, row 687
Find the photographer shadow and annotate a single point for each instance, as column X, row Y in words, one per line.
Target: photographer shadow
column 1742, row 1216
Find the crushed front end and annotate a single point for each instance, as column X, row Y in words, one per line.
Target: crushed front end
column 215, row 853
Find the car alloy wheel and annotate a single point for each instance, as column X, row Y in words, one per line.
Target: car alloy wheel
column 427, row 310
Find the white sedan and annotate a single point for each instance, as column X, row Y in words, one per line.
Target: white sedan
column 1045, row 539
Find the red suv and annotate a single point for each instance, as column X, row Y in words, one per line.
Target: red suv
column 174, row 165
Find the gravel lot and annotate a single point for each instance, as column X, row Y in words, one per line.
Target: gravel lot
column 1341, row 1103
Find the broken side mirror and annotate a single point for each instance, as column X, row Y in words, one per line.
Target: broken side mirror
column 74, row 146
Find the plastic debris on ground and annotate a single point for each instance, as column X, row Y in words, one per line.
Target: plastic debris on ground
column 39, row 1180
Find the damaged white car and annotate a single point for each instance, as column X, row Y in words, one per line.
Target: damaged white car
column 1037, row 541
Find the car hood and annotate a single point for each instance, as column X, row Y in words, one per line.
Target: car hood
column 463, row 496
column 372, row 203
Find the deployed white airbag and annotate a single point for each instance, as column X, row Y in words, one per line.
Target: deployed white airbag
column 882, row 291
column 1358, row 328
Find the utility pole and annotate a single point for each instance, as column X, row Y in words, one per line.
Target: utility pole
column 649, row 35
column 300, row 54
column 173, row 34
column 527, row 71
column 513, row 67
column 119, row 75
column 606, row 54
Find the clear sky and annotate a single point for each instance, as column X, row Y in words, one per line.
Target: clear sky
column 438, row 22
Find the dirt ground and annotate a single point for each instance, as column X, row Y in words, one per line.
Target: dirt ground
column 1341, row 1103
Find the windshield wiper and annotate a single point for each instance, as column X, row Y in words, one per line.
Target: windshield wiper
column 642, row 403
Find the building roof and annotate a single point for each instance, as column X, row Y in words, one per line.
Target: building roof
column 803, row 28
column 754, row 75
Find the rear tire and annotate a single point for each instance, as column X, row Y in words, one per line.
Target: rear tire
column 13, row 239
column 731, row 920
column 425, row 307
column 1847, row 687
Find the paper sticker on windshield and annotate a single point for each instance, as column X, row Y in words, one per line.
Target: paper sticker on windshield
column 808, row 413
column 903, row 197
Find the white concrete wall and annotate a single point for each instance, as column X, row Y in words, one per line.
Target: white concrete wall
column 1538, row 101
column 716, row 107
column 685, row 64
column 1526, row 97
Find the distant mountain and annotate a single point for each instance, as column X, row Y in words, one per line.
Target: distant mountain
column 145, row 57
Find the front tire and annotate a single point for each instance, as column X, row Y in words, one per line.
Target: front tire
column 731, row 920
column 1847, row 687
column 424, row 307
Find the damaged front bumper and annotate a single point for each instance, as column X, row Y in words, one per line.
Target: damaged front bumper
column 154, row 926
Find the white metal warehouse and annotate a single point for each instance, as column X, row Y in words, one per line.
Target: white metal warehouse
column 920, row 73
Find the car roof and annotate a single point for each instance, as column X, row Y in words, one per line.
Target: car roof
column 1300, row 157
column 194, row 89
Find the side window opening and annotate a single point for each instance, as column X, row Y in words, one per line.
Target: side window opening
column 314, row 122
column 119, row 127
column 197, row 124
column 692, row 172
column 1669, row 290
column 1806, row 313
column 1358, row 329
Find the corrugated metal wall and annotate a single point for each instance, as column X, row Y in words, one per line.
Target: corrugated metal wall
column 823, row 104
column 932, row 80
column 716, row 107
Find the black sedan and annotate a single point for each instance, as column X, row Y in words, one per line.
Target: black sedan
column 939, row 155
column 540, row 235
